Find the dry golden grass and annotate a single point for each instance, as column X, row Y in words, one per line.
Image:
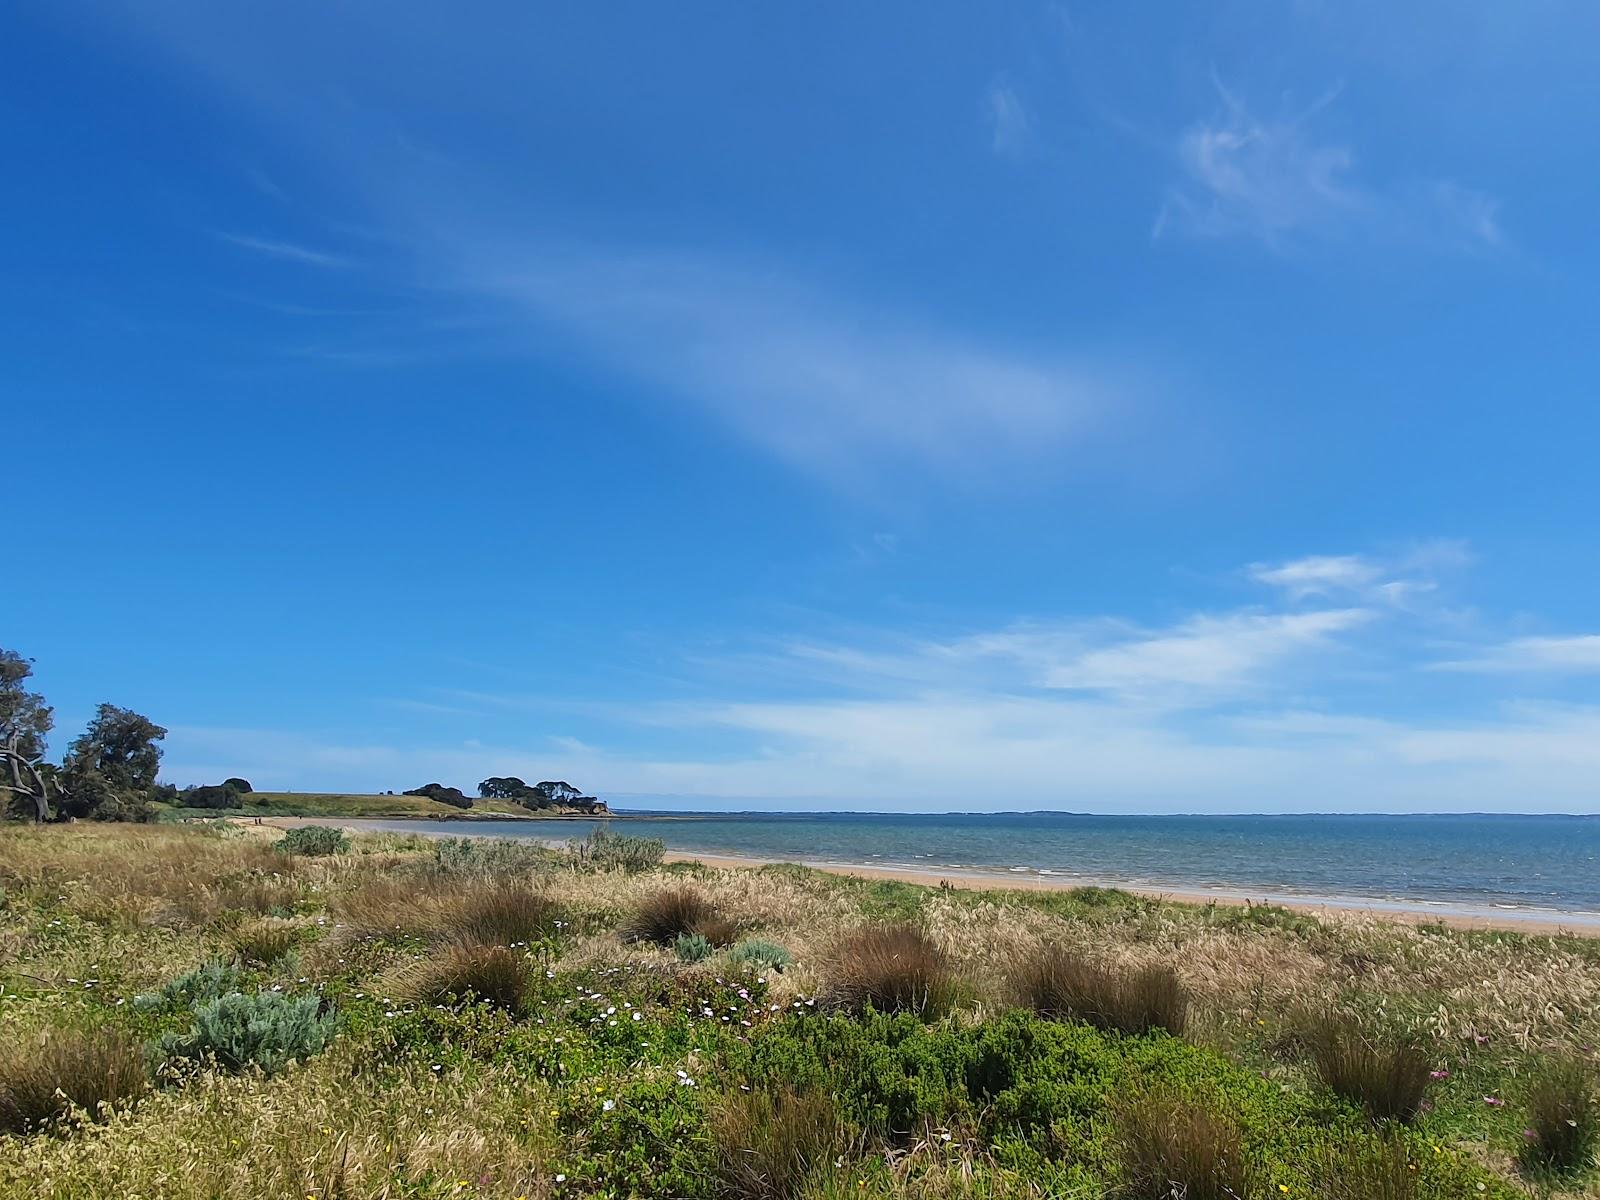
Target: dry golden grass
column 63, row 1073
column 496, row 975
column 334, row 1128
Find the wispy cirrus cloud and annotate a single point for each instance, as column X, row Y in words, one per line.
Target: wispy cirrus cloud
column 1275, row 181
column 1011, row 130
column 285, row 250
column 1577, row 654
column 830, row 384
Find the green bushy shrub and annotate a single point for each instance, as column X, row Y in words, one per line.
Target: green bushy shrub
column 693, row 948
column 603, row 850
column 198, row 986
column 491, row 856
column 268, row 1030
column 313, row 841
column 762, row 955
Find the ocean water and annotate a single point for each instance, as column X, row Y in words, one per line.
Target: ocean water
column 1463, row 863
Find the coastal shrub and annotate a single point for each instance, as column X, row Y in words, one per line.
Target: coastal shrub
column 662, row 917
column 1380, row 1168
column 264, row 941
column 1563, row 1120
column 267, row 1030
column 500, row 914
column 693, row 947
column 63, row 1072
column 1170, row 1145
column 891, row 968
column 1057, row 983
column 197, row 986
column 771, row 1143
column 761, row 955
column 603, row 850
column 1387, row 1078
column 494, row 975
column 313, row 841
column 491, row 856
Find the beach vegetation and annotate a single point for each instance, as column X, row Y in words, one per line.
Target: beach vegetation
column 262, row 1030
column 663, row 916
column 771, row 1144
column 1169, row 1144
column 1055, row 982
column 693, row 947
column 1563, row 1118
column 891, row 968
column 67, row 1074
column 494, row 975
column 313, row 841
column 760, row 955
column 1388, row 1077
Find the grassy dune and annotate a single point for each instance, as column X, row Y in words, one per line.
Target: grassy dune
column 482, row 1019
column 329, row 804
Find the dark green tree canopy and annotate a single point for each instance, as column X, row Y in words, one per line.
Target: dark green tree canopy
column 23, row 714
column 119, row 746
column 502, row 787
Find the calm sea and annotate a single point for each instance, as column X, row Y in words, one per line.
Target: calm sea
column 1506, row 864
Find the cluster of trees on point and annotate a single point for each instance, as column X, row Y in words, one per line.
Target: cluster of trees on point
column 549, row 794
column 107, row 774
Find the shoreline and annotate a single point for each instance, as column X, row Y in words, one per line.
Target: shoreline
column 1455, row 914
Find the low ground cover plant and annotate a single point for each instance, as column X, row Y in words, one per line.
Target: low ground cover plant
column 313, row 841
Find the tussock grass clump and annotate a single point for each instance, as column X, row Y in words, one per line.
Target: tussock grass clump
column 662, row 917
column 265, row 940
column 63, row 1072
column 1563, row 1119
column 494, row 975
column 1058, row 983
column 891, row 968
column 1169, row 1145
column 754, row 952
column 267, row 1030
column 1387, row 1078
column 1376, row 1169
column 500, row 914
column 771, row 1144
column 390, row 907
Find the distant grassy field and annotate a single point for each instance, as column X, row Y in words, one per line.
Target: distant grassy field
column 349, row 804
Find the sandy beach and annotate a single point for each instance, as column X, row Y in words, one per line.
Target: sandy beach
column 1455, row 915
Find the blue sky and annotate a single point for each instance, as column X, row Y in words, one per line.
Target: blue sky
column 1127, row 408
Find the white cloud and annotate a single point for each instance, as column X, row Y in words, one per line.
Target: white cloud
column 830, row 385
column 288, row 251
column 1575, row 655
column 1252, row 709
column 1010, row 123
column 1274, row 180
